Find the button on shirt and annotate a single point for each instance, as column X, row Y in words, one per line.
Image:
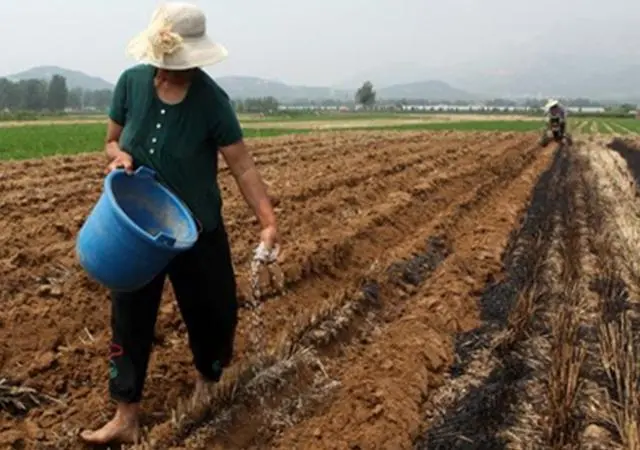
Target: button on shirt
column 180, row 141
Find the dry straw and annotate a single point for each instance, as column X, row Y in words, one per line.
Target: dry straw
column 263, row 260
column 20, row 398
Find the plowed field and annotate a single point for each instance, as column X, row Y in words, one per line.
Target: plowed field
column 442, row 290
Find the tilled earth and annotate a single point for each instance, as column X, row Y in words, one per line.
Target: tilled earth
column 442, row 290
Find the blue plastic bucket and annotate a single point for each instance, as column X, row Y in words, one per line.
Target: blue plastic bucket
column 134, row 231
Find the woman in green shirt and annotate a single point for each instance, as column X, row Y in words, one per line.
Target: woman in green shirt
column 169, row 115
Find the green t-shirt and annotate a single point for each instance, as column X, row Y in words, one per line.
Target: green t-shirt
column 180, row 141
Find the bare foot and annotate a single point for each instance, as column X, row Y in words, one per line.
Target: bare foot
column 123, row 429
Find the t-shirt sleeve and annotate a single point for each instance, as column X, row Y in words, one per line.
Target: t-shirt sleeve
column 225, row 126
column 118, row 108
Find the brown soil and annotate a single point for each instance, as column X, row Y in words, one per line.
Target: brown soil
column 351, row 123
column 395, row 246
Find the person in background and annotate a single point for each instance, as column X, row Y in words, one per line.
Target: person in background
column 555, row 112
column 169, row 115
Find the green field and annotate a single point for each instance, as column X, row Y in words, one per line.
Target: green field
column 35, row 141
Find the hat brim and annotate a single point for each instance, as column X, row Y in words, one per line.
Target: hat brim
column 195, row 52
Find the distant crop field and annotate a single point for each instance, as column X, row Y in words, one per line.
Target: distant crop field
column 471, row 125
column 306, row 116
column 606, row 125
column 41, row 140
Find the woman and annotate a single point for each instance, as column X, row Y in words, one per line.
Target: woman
column 169, row 115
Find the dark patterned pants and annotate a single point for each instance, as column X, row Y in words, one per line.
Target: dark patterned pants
column 204, row 284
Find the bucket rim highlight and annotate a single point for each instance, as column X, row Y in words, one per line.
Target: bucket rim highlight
column 161, row 240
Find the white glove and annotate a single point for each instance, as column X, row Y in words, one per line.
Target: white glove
column 263, row 258
column 262, row 255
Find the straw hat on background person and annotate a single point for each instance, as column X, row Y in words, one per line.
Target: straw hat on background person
column 176, row 39
column 551, row 103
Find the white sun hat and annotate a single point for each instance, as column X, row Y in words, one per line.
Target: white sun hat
column 176, row 39
column 551, row 103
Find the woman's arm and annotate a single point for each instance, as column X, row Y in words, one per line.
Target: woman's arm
column 250, row 183
column 115, row 125
column 118, row 158
column 117, row 116
column 226, row 133
column 112, row 146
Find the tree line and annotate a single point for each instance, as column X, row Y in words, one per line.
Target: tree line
column 365, row 96
column 256, row 105
column 53, row 96
column 36, row 95
column 41, row 96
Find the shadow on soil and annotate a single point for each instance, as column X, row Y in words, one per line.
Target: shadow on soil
column 411, row 271
column 474, row 421
column 416, row 269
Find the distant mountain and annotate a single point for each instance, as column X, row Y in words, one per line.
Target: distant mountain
column 516, row 74
column 244, row 87
column 431, row 90
column 390, row 74
column 240, row 87
column 75, row 79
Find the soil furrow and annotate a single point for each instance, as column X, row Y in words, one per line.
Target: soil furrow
column 442, row 290
column 441, row 186
column 373, row 189
column 482, row 382
column 66, row 345
column 383, row 348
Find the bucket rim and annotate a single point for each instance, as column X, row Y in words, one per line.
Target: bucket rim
column 180, row 244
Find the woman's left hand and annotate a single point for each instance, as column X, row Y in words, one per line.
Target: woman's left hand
column 269, row 237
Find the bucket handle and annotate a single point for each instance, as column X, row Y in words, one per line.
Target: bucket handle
column 145, row 172
column 162, row 238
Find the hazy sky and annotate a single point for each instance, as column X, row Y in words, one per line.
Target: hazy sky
column 320, row 42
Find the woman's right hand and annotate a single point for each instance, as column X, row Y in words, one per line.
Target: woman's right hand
column 122, row 160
